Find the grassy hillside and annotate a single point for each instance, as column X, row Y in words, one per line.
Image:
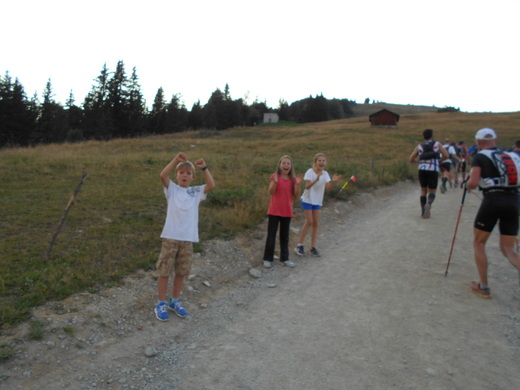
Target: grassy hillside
column 113, row 228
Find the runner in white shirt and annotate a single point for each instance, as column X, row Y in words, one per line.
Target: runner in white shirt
column 448, row 165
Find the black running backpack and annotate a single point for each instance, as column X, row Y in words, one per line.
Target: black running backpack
column 427, row 151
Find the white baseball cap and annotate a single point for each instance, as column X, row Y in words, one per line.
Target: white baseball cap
column 485, row 134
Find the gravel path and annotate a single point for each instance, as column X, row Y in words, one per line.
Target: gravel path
column 374, row 312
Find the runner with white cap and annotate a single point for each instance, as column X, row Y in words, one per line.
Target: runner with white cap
column 495, row 172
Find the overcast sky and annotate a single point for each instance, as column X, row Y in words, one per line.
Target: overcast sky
column 459, row 53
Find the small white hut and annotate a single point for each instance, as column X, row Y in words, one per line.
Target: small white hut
column 271, row 118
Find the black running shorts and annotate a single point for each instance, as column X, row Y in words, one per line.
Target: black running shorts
column 502, row 207
column 428, row 179
column 445, row 166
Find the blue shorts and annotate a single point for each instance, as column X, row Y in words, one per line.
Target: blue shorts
column 308, row 206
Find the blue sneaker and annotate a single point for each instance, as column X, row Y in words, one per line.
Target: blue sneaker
column 315, row 252
column 160, row 311
column 299, row 250
column 176, row 306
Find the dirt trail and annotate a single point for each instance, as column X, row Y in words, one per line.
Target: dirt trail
column 374, row 312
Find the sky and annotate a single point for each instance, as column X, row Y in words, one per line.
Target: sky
column 456, row 53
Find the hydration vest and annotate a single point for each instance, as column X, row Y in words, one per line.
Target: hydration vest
column 450, row 148
column 427, row 152
column 508, row 166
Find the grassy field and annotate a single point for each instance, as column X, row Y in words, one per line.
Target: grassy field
column 113, row 228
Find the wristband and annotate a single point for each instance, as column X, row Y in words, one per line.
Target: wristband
column 206, row 167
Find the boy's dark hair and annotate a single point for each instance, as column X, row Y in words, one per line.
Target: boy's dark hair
column 517, row 143
column 427, row 134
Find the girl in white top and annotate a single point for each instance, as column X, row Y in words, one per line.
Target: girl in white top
column 317, row 180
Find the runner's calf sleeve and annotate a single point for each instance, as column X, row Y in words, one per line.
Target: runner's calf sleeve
column 431, row 198
column 423, row 201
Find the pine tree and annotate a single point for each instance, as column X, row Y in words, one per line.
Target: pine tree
column 210, row 120
column 51, row 125
column 118, row 101
column 157, row 121
column 335, row 110
column 98, row 122
column 158, row 102
column 136, row 106
column 309, row 110
column 98, row 96
column 74, row 118
column 347, row 107
column 221, row 112
column 17, row 113
column 315, row 110
column 195, row 116
column 283, row 110
column 177, row 115
column 227, row 94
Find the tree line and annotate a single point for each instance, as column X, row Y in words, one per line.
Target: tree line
column 115, row 108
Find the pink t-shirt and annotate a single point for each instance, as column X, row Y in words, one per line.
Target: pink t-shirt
column 281, row 203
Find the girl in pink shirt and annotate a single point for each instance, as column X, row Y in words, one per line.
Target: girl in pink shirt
column 284, row 188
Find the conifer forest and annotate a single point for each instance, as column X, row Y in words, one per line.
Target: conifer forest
column 115, row 108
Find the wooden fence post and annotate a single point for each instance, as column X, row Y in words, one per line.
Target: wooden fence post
column 65, row 213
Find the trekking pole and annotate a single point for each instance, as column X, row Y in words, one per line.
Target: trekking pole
column 456, row 227
column 352, row 178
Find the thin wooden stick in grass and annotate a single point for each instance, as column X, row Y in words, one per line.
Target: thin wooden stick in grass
column 65, row 213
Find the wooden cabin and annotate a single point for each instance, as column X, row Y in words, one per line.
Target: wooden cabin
column 384, row 118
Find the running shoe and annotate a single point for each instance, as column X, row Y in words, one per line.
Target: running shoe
column 315, row 252
column 268, row 264
column 483, row 292
column 299, row 250
column 160, row 312
column 427, row 211
column 176, row 306
column 288, row 263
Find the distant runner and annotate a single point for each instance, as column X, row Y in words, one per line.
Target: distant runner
column 463, row 155
column 448, row 165
column 428, row 154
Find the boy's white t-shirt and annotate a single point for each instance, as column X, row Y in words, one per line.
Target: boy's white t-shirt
column 182, row 216
column 315, row 194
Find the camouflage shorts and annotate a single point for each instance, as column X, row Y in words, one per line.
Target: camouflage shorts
column 175, row 256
